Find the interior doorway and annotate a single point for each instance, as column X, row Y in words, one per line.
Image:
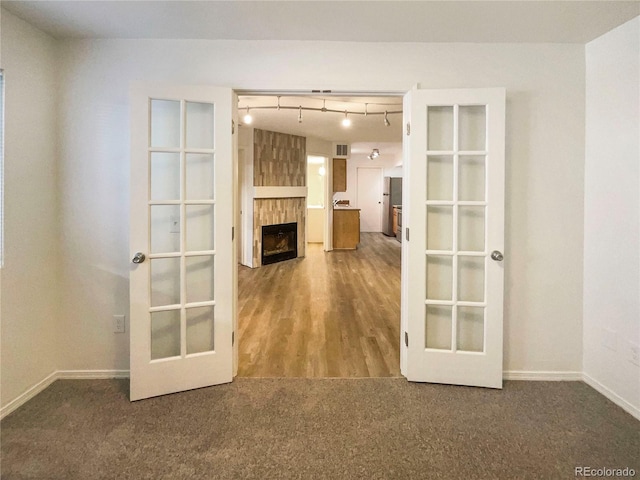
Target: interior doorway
column 330, row 313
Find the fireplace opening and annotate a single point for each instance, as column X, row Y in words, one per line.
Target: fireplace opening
column 279, row 242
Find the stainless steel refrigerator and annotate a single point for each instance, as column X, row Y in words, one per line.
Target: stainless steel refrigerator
column 391, row 196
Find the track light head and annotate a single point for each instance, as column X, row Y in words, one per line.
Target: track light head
column 346, row 121
column 248, row 118
column 386, row 120
column 300, row 114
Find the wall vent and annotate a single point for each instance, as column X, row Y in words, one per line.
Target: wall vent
column 341, row 150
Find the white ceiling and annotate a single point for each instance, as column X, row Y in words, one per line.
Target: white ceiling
column 366, row 21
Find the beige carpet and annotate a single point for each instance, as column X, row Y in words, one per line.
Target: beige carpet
column 316, row 429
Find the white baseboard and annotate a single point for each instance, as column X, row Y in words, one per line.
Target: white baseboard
column 91, row 374
column 614, row 397
column 28, row 395
column 59, row 374
column 542, row 376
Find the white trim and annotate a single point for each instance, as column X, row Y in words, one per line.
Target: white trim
column 542, row 376
column 279, row 192
column 91, row 374
column 28, row 395
column 611, row 395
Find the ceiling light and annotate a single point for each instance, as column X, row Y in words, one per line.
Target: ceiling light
column 346, row 121
column 248, row 118
column 386, row 120
column 375, row 153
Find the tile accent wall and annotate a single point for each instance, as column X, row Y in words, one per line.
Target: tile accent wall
column 271, row 211
column 279, row 159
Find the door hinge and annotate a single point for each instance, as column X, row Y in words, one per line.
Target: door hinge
column 406, row 339
column 408, row 129
column 233, row 233
column 407, row 233
column 233, row 338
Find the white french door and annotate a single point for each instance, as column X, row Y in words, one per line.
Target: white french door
column 181, row 283
column 454, row 191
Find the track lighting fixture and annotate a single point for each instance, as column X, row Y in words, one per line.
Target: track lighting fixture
column 375, row 153
column 346, row 121
column 248, row 118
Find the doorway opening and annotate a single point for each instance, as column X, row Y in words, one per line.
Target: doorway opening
column 331, row 312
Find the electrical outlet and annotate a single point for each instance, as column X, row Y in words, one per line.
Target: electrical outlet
column 118, row 323
column 633, row 353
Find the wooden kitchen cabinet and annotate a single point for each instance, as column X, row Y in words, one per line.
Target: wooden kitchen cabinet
column 339, row 174
column 346, row 228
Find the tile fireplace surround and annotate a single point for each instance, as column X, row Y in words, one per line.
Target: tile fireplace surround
column 279, row 179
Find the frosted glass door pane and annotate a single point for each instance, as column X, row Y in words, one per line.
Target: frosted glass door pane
column 165, row 281
column 199, row 227
column 200, row 330
column 471, row 279
column 440, row 128
column 165, row 123
column 199, row 125
column 470, row 329
column 199, row 176
column 471, row 174
column 438, row 327
column 440, row 177
column 165, row 334
column 199, row 278
column 439, row 228
column 472, row 123
column 165, row 228
column 439, row 277
column 165, row 176
column 471, row 229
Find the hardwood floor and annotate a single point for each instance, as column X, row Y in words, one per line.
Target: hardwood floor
column 330, row 314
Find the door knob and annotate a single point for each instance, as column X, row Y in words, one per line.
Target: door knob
column 497, row 256
column 138, row 257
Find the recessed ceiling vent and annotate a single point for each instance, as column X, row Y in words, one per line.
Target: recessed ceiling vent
column 341, row 150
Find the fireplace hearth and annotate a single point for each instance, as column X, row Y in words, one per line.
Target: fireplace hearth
column 279, row 242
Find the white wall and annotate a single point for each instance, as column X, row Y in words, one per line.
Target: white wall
column 30, row 276
column 612, row 212
column 545, row 154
